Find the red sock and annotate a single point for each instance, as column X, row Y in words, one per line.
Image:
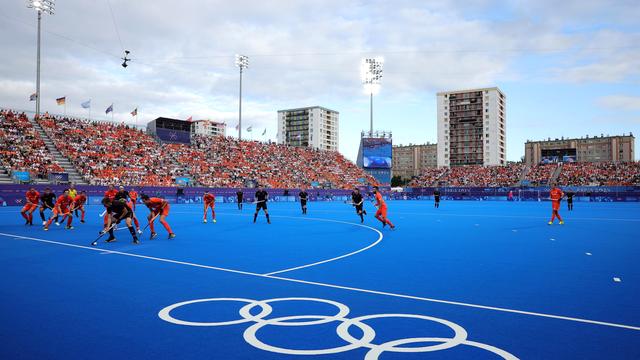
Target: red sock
column 166, row 226
column 69, row 220
column 30, row 217
column 213, row 214
column 24, row 215
column 389, row 223
column 135, row 221
column 558, row 215
column 82, row 215
column 151, row 226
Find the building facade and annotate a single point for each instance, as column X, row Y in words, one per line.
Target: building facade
column 472, row 127
column 315, row 127
column 208, row 127
column 411, row 160
column 588, row 149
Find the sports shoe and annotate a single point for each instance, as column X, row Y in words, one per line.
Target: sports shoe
column 139, row 231
column 46, row 228
column 204, row 221
column 561, row 222
column 69, row 227
column 215, row 221
column 153, row 235
column 111, row 239
column 44, row 223
column 136, row 241
column 550, row 223
column 172, row 235
column 26, row 223
column 82, row 221
column 57, row 223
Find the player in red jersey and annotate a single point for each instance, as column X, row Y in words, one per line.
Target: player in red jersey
column 381, row 214
column 555, row 195
column 111, row 192
column 209, row 202
column 133, row 195
column 33, row 198
column 159, row 207
column 62, row 207
column 78, row 204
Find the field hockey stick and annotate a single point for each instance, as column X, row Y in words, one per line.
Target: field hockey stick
column 259, row 201
column 104, row 231
column 150, row 221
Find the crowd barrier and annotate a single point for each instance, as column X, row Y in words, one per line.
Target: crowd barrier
column 13, row 194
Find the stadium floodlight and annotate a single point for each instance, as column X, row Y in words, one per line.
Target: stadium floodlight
column 47, row 7
column 242, row 62
column 371, row 73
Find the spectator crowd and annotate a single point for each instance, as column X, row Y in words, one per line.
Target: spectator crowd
column 108, row 153
column 22, row 149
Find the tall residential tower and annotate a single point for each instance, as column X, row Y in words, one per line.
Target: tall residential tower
column 472, row 127
column 315, row 127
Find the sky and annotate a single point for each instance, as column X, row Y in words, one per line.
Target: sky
column 568, row 68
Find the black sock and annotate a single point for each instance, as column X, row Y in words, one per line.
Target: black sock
column 361, row 217
column 255, row 216
column 111, row 233
column 268, row 220
column 42, row 215
column 133, row 232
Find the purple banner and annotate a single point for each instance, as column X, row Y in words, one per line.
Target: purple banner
column 14, row 194
column 173, row 136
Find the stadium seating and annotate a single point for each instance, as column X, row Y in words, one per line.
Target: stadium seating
column 107, row 153
column 22, row 149
column 600, row 174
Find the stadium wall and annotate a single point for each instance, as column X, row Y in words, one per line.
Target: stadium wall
column 13, row 195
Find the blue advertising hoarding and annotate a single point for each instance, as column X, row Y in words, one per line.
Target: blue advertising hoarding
column 376, row 158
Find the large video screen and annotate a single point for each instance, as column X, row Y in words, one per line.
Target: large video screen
column 551, row 156
column 376, row 153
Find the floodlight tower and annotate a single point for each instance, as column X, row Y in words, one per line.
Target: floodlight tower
column 371, row 73
column 47, row 7
column 242, row 62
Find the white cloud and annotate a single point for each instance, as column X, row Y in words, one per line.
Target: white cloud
column 620, row 102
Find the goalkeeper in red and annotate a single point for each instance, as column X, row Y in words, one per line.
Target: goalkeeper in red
column 555, row 195
column 381, row 214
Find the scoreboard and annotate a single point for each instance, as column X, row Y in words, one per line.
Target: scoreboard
column 170, row 130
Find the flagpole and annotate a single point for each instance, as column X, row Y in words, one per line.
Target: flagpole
column 65, row 106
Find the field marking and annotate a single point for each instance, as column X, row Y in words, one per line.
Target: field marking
column 367, row 291
column 380, row 237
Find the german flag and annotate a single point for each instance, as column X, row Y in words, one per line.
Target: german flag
column 62, row 100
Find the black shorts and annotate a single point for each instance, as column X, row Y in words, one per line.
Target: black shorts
column 359, row 208
column 115, row 217
column 303, row 202
column 261, row 205
column 437, row 198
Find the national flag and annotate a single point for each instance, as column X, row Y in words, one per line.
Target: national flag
column 190, row 119
column 86, row 104
column 62, row 100
column 109, row 109
column 249, row 129
column 264, row 132
column 33, row 97
column 134, row 112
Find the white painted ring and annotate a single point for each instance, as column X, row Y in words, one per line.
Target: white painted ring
column 460, row 334
column 165, row 314
column 374, row 353
column 343, row 311
column 251, row 338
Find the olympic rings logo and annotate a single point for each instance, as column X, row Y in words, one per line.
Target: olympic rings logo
column 368, row 334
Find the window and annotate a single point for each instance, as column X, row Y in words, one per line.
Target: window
column 487, row 141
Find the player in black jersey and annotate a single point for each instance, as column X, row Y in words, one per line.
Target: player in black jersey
column 569, row 195
column 122, row 194
column 436, row 198
column 239, row 195
column 303, row 200
column 358, row 202
column 118, row 210
column 47, row 201
column 261, row 203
